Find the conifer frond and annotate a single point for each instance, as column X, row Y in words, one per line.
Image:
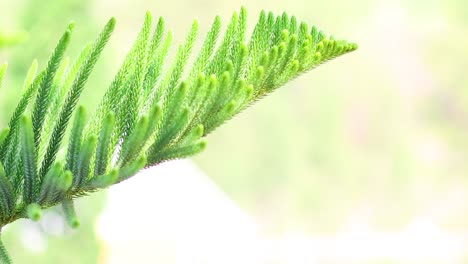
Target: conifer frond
column 151, row 112
column 43, row 99
column 28, row 158
column 7, row 197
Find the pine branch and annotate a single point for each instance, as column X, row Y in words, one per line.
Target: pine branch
column 152, row 112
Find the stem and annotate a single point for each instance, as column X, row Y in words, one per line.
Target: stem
column 4, row 257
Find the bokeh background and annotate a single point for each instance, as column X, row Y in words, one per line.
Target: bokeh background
column 362, row 160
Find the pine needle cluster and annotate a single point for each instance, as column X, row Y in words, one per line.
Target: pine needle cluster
column 150, row 113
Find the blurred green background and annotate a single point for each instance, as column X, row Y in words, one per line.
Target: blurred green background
column 379, row 135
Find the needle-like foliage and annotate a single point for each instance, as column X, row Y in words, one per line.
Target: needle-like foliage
column 151, row 112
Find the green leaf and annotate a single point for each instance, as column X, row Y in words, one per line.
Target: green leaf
column 55, row 185
column 28, row 154
column 178, row 152
column 83, row 163
column 135, row 141
column 34, row 212
column 74, row 144
column 207, row 49
column 4, row 134
column 155, row 69
column 74, row 94
column 4, row 258
column 131, row 169
column 20, row 109
column 7, row 197
column 43, row 98
column 70, row 214
column 30, row 75
column 102, row 150
column 189, row 146
column 103, row 181
column 133, row 93
column 154, row 121
column 175, row 73
column 117, row 91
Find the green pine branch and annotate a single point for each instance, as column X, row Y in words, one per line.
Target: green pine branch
column 150, row 113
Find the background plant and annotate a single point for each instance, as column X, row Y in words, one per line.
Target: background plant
column 10, row 39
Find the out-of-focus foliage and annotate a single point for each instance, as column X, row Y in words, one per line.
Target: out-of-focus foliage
column 11, row 39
